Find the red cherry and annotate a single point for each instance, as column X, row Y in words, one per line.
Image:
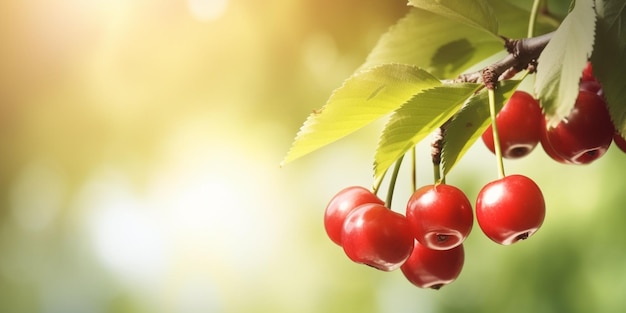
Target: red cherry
column 588, row 73
column 427, row 268
column 585, row 134
column 620, row 142
column 591, row 86
column 377, row 236
column 547, row 147
column 440, row 216
column 519, row 126
column 344, row 202
column 510, row 209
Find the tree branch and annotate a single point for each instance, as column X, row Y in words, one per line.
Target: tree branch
column 523, row 55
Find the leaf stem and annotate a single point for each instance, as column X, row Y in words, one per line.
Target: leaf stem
column 392, row 182
column 496, row 137
column 533, row 18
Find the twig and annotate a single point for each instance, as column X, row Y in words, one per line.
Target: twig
column 523, row 55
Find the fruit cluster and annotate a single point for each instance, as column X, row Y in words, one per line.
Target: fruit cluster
column 581, row 138
column 427, row 242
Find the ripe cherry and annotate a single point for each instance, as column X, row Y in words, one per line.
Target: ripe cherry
column 620, row 142
column 427, row 268
column 585, row 134
column 588, row 73
column 591, row 86
column 341, row 205
column 519, row 126
column 510, row 209
column 377, row 236
column 440, row 216
column 547, row 147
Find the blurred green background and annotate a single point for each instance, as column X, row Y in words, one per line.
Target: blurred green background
column 139, row 170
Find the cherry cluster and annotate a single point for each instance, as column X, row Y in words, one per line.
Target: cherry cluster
column 580, row 138
column 426, row 243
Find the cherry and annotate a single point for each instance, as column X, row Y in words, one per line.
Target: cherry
column 591, row 86
column 341, row 205
column 620, row 142
column 585, row 134
column 510, row 209
column 588, row 73
column 547, row 147
column 377, row 236
column 440, row 216
column 519, row 126
column 427, row 268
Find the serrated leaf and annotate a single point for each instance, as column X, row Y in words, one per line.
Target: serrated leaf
column 470, row 122
column 443, row 46
column 477, row 13
column 562, row 61
column 363, row 98
column 608, row 58
column 417, row 118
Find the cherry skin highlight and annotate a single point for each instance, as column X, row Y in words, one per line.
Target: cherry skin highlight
column 519, row 126
column 427, row 268
column 344, row 202
column 441, row 216
column 510, row 209
column 377, row 236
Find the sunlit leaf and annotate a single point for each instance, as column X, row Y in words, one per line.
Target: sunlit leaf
column 477, row 14
column 417, row 118
column 609, row 55
column 470, row 122
column 363, row 98
column 563, row 59
column 443, row 46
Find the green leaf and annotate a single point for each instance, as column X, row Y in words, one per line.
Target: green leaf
column 608, row 58
column 417, row 118
column 562, row 61
column 363, row 98
column 470, row 122
column 477, row 14
column 443, row 46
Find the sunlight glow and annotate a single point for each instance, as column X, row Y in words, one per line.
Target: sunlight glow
column 207, row 10
column 126, row 235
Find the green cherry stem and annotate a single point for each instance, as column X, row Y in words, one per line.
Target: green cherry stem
column 533, row 18
column 392, row 182
column 496, row 137
column 413, row 170
column 377, row 183
column 437, row 173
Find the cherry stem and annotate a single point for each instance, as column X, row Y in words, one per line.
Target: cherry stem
column 413, row 170
column 533, row 17
column 392, row 182
column 496, row 137
column 436, row 147
column 377, row 183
